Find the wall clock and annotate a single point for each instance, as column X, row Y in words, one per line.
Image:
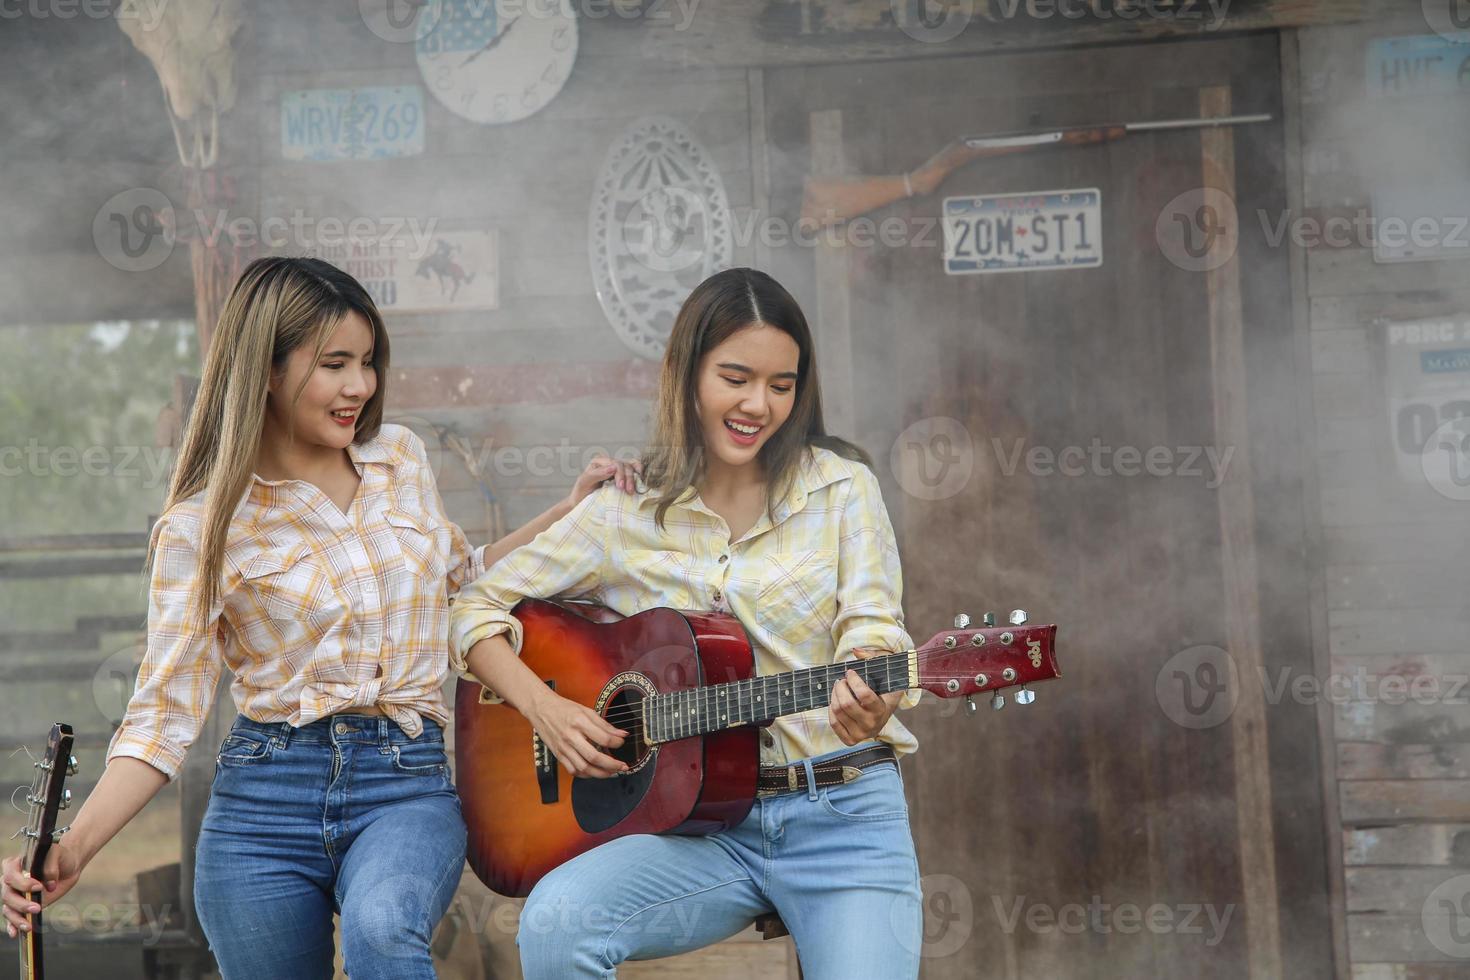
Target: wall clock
column 496, row 61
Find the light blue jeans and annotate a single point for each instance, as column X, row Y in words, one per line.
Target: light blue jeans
column 347, row 814
column 837, row 864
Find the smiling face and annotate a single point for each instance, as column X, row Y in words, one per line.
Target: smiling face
column 746, row 387
column 338, row 384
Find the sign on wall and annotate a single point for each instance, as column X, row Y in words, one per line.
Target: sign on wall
column 1023, row 232
column 1422, row 65
column 329, row 124
column 1427, row 373
column 449, row 271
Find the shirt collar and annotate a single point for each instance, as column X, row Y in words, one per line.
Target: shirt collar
column 818, row 468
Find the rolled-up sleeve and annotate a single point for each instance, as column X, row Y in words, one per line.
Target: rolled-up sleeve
column 869, row 578
column 182, row 662
column 564, row 560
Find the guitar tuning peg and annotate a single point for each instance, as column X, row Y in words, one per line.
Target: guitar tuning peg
column 65, row 799
column 999, row 701
column 961, row 621
column 1018, row 617
column 71, row 765
column 970, row 703
column 988, row 619
column 1025, row 695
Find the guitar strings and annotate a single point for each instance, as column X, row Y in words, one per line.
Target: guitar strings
column 635, row 713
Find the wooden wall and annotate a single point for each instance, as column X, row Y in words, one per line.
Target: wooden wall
column 1392, row 553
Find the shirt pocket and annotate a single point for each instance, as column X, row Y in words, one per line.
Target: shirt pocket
column 664, row 577
column 287, row 586
column 423, row 555
column 798, row 596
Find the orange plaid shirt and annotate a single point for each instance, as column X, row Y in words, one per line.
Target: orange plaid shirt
column 812, row 582
column 319, row 611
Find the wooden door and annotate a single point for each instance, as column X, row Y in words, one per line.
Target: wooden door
column 1109, row 829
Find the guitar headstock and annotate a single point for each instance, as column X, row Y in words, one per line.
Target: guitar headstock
column 46, row 796
column 963, row 662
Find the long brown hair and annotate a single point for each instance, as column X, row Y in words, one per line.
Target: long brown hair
column 278, row 305
column 720, row 306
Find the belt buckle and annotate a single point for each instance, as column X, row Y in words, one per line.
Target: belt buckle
column 791, row 783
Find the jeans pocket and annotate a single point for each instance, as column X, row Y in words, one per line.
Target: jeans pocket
column 875, row 795
column 420, row 759
column 244, row 749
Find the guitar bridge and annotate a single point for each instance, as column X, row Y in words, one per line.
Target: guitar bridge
column 546, row 765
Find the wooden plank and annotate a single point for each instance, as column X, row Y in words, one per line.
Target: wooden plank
column 832, row 326
column 1394, row 891
column 1437, row 844
column 1410, row 971
column 1242, row 601
column 1374, row 631
column 796, row 32
column 1397, row 938
column 1384, row 544
column 1433, row 800
column 1399, row 585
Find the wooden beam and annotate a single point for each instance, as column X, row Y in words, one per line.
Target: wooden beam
column 770, row 33
column 1254, row 821
column 832, row 326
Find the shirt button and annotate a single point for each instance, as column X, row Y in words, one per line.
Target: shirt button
column 724, row 558
column 767, row 739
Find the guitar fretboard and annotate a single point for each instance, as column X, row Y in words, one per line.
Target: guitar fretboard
column 703, row 710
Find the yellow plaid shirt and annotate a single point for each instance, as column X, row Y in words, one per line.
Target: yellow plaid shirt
column 811, row 582
column 319, row 611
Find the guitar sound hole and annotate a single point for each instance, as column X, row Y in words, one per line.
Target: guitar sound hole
column 625, row 710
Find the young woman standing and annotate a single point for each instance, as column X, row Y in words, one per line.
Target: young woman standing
column 750, row 508
column 304, row 546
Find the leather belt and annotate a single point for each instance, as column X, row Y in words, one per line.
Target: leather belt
column 773, row 780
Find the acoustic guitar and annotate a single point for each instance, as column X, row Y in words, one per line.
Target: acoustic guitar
column 44, row 799
column 683, row 685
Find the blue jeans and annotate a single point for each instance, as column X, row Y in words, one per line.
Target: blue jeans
column 348, row 815
column 837, row 864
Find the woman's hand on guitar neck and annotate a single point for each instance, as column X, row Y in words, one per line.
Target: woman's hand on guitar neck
column 857, row 713
column 576, row 734
column 61, row 872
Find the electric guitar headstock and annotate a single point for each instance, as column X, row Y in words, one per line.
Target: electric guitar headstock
column 963, row 662
column 45, row 799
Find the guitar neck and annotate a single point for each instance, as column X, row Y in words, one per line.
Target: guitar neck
column 755, row 700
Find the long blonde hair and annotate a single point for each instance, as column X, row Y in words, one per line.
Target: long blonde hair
column 278, row 305
column 720, row 306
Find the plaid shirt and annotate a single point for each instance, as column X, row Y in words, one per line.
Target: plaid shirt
column 811, row 582
column 319, row 611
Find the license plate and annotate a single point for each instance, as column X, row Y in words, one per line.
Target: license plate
column 1023, row 232
column 352, row 123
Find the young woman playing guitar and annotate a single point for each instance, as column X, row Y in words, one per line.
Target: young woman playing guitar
column 303, row 546
column 750, row 508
